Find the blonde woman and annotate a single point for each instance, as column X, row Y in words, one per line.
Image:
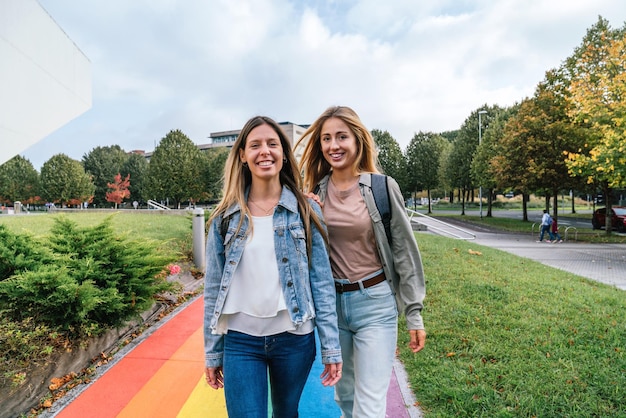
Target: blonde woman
column 374, row 277
column 268, row 282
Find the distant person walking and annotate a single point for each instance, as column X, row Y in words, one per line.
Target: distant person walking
column 554, row 228
column 546, row 222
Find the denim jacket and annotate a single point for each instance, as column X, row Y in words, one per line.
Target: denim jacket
column 402, row 261
column 308, row 288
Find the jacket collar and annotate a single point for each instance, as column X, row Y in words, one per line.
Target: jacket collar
column 364, row 179
column 287, row 200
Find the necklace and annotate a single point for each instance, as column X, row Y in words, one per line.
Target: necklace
column 267, row 211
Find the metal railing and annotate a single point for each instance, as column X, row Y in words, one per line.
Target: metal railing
column 156, row 205
column 439, row 226
column 567, row 232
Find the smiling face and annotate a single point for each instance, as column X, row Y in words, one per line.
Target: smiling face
column 338, row 144
column 263, row 153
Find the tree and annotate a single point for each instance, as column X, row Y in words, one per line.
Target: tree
column 444, row 169
column 489, row 142
column 119, row 189
column 213, row 171
column 174, row 171
column 19, row 181
column 598, row 91
column 423, row 156
column 103, row 163
column 136, row 167
column 390, row 157
column 458, row 166
column 64, row 181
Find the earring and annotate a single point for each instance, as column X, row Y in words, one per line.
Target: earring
column 245, row 164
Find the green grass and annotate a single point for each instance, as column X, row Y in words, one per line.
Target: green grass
column 510, row 337
column 174, row 230
column 155, row 226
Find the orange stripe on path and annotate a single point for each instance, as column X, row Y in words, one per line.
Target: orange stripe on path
column 114, row 390
column 166, row 393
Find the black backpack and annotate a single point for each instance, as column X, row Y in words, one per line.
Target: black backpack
column 380, row 190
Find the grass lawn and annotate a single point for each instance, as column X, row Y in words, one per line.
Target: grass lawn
column 510, row 337
column 155, row 226
column 174, row 230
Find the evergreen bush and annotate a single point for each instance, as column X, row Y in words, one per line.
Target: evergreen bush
column 20, row 252
column 83, row 279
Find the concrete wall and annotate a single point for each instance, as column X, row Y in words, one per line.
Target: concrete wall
column 45, row 80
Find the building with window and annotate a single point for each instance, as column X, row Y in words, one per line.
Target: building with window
column 227, row 138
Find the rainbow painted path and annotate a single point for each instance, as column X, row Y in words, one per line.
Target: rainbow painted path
column 163, row 376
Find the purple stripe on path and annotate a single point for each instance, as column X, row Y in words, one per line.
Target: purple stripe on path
column 395, row 401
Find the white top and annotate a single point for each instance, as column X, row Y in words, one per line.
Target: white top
column 255, row 304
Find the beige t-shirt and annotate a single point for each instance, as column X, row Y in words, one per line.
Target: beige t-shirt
column 353, row 254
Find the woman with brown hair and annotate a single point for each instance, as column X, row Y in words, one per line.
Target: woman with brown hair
column 268, row 282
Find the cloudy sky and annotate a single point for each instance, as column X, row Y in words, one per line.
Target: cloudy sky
column 405, row 66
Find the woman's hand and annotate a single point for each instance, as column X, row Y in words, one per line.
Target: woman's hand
column 331, row 374
column 315, row 198
column 418, row 339
column 215, row 377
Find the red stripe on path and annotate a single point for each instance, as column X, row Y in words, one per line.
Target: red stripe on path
column 108, row 395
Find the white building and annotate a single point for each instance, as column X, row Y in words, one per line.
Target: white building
column 45, row 79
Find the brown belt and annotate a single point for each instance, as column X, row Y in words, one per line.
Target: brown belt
column 351, row 287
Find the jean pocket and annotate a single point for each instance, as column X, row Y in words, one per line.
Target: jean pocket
column 378, row 291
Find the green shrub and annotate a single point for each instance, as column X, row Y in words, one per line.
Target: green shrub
column 19, row 253
column 92, row 278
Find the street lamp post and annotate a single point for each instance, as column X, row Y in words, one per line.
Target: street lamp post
column 480, row 140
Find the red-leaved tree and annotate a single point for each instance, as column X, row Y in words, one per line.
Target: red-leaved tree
column 119, row 189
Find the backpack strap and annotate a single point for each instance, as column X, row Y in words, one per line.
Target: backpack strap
column 380, row 190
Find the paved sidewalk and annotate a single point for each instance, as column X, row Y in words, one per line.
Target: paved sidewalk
column 162, row 375
column 605, row 263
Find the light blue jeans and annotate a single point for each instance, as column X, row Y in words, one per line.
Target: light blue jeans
column 368, row 333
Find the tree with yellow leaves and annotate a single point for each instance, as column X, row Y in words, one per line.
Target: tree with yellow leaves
column 598, row 98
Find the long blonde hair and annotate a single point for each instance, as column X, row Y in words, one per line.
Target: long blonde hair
column 314, row 166
column 237, row 178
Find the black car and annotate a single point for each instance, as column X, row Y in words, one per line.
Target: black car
column 598, row 220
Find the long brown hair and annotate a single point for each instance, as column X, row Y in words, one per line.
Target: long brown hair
column 237, row 179
column 313, row 164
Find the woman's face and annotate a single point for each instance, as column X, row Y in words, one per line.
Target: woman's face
column 263, row 153
column 338, row 144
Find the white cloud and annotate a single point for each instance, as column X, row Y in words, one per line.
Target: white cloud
column 404, row 66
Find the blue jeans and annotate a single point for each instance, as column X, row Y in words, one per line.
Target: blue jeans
column 247, row 360
column 544, row 229
column 368, row 333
